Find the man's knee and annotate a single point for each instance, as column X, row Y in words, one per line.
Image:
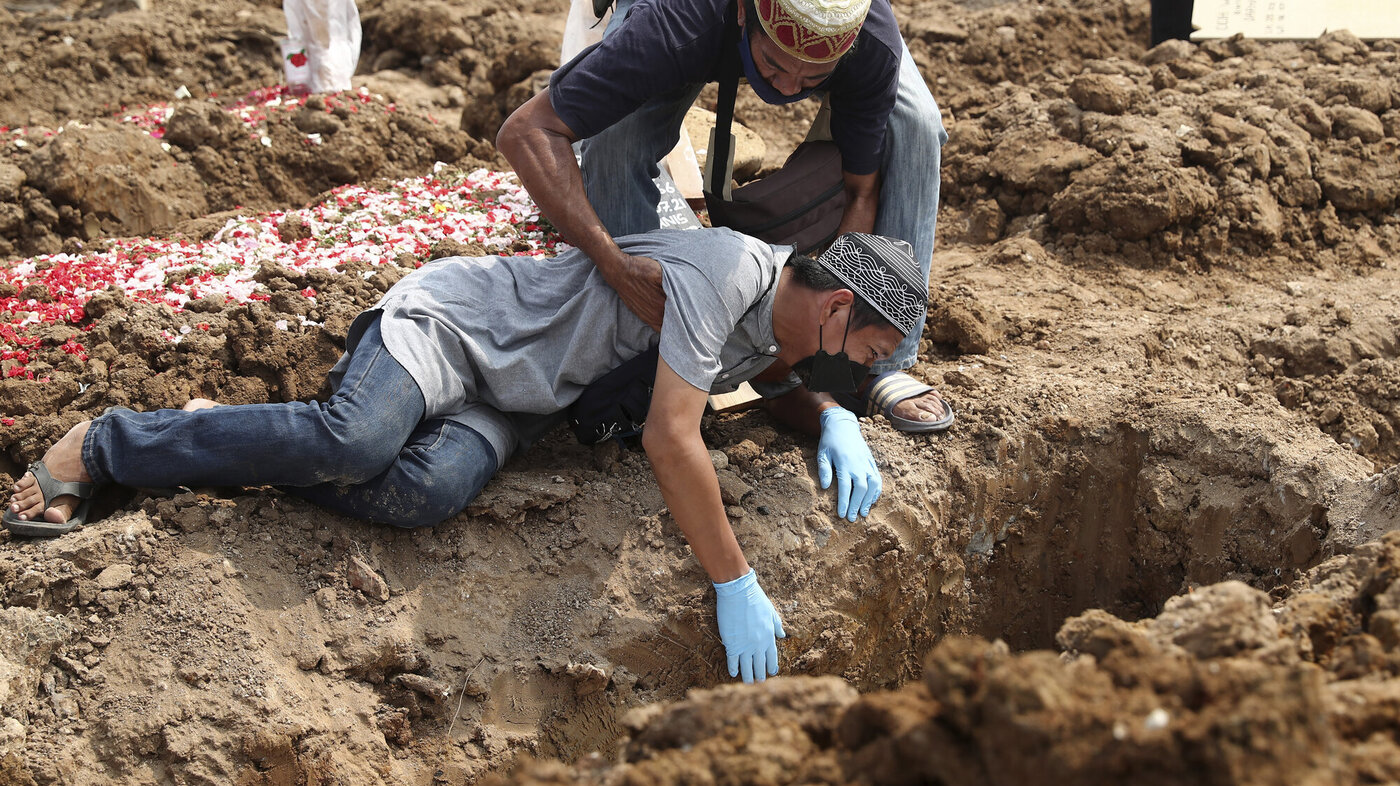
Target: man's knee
column 416, row 518
column 423, row 507
column 918, row 120
column 916, row 114
column 432, row 485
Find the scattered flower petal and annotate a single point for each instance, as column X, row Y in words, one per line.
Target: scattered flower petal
column 352, row 225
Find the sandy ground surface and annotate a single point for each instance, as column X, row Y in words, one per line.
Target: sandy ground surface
column 1153, row 546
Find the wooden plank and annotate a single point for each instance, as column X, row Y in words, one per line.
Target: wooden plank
column 741, row 399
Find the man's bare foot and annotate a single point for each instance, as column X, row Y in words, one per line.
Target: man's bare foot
column 65, row 462
column 196, row 404
column 927, row 407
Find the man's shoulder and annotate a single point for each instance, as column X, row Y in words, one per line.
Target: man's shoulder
column 879, row 36
column 731, row 266
column 707, row 246
column 671, row 28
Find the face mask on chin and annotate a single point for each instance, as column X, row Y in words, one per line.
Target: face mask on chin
column 823, row 372
column 761, row 88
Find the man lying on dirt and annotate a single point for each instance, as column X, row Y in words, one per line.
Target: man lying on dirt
column 628, row 95
column 441, row 376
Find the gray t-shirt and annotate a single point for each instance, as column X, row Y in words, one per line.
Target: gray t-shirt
column 499, row 343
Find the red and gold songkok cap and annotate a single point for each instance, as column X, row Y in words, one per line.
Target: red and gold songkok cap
column 817, row 31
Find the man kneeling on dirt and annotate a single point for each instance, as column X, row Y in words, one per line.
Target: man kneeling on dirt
column 441, row 377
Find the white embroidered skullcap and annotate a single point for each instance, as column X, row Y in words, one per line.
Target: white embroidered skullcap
column 817, row 31
column 881, row 270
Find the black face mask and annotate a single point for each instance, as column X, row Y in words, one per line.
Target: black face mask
column 827, row 373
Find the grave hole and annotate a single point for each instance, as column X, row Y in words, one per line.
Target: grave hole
column 1062, row 519
column 1122, row 518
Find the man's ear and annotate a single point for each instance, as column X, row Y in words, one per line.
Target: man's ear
column 833, row 302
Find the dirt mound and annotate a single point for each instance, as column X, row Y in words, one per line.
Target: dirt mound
column 1208, row 154
column 1271, row 159
column 1222, row 687
column 118, row 121
column 111, row 178
column 69, row 59
column 77, row 60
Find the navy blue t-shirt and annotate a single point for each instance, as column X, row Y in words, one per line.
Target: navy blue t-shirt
column 666, row 44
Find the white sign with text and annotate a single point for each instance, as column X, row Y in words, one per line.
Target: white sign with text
column 1294, row 19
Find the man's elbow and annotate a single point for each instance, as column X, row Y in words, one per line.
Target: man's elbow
column 509, row 134
column 533, row 123
column 519, row 126
column 662, row 441
column 654, row 443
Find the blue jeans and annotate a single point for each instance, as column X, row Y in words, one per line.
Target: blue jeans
column 620, row 162
column 366, row 452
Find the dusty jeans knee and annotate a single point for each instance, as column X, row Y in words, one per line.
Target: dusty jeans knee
column 436, row 475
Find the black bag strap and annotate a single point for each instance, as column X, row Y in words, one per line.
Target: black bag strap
column 719, row 159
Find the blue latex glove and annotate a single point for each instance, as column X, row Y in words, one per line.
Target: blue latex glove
column 749, row 627
column 842, row 448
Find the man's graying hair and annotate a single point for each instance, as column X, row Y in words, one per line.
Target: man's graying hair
column 807, row 272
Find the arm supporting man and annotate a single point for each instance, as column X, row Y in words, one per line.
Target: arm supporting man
column 687, row 478
column 800, row 408
column 539, row 145
column 748, row 623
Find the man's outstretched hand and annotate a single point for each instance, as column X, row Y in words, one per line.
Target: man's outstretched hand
column 843, row 449
column 749, row 626
column 638, row 282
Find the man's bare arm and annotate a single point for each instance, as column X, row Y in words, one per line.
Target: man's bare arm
column 538, row 144
column 800, row 409
column 687, row 479
column 748, row 623
column 862, row 202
